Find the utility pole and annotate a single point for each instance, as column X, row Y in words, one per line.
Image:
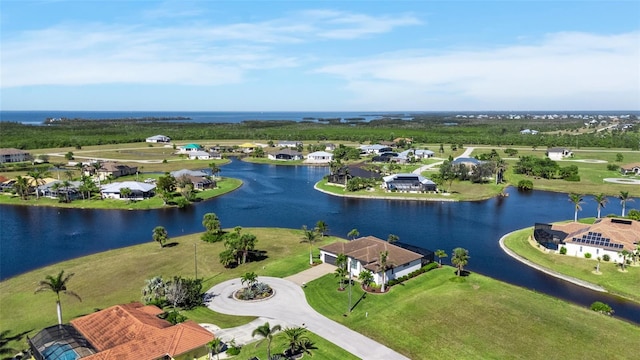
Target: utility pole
column 349, row 310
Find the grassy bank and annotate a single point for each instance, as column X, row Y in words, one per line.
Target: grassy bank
column 623, row 284
column 117, row 276
column 433, row 317
column 225, row 185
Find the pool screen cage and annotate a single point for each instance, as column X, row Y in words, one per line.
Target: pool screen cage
column 60, row 342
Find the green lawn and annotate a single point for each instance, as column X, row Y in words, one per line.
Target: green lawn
column 326, row 349
column 117, row 276
column 433, row 317
column 624, row 284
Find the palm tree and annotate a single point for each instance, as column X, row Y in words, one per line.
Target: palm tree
column 38, row 176
column 353, row 234
column 296, row 338
column 576, row 199
column 501, row 166
column 266, row 331
column 598, row 264
column 160, row 235
column 227, row 257
column 460, row 258
column 624, row 198
column 215, row 347
column 214, row 168
column 341, row 260
column 382, row 265
column 250, row 278
column 21, row 187
column 310, row 236
column 601, row 200
column 623, row 254
column 57, row 285
column 366, row 277
column 246, row 243
column 66, row 184
column 322, row 228
column 392, row 238
column 340, row 273
column 440, row 254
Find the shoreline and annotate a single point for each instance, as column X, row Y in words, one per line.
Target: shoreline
column 315, row 186
column 545, row 270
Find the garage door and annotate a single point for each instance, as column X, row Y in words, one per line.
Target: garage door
column 329, row 259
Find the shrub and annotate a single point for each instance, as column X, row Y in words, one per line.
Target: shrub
column 233, row 351
column 602, row 308
column 573, row 178
column 606, row 257
column 612, row 167
column 525, row 185
column 174, row 317
column 587, row 255
column 563, row 250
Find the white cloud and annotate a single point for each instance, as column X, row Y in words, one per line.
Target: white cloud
column 569, row 70
column 199, row 53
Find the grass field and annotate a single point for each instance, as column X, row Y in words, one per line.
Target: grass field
column 625, row 284
column 433, row 317
column 117, row 276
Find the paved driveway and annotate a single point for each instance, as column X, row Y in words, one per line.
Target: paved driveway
column 289, row 306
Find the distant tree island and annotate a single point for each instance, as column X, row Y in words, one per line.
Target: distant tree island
column 61, row 120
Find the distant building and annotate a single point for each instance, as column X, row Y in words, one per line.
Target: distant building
column 528, row 132
column 630, row 169
column 158, row 139
column 408, row 183
column 10, row 155
column 558, row 153
column 319, row 157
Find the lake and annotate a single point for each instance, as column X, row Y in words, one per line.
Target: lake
column 283, row 196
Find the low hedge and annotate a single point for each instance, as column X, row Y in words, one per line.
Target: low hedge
column 422, row 270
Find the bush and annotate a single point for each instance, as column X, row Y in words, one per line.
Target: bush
column 587, row 255
column 602, row 308
column 573, row 178
column 525, row 185
column 612, row 167
column 563, row 250
column 606, row 257
column 174, row 317
column 233, row 351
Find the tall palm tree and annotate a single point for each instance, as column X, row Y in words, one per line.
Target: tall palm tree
column 340, row 273
column 38, row 176
column 576, row 199
column 215, row 347
column 501, row 166
column 460, row 258
column 246, row 243
column 440, row 254
column 624, row 198
column 266, row 331
column 310, row 236
column 601, row 200
column 57, row 284
column 382, row 265
column 322, row 228
column 21, row 187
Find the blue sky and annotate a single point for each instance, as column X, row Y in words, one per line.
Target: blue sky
column 319, row 55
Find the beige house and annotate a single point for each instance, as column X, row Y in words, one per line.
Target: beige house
column 9, row 155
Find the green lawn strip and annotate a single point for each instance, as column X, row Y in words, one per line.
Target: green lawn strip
column 117, row 276
column 623, row 284
column 326, row 349
column 432, row 317
column 225, row 185
column 460, row 191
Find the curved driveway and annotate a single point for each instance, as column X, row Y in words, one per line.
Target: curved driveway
column 290, row 306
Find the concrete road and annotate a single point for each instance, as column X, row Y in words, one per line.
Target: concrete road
column 289, row 306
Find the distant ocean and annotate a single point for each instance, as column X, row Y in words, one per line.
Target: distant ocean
column 38, row 117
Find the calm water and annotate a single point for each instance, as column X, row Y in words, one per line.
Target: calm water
column 283, row 196
column 37, row 117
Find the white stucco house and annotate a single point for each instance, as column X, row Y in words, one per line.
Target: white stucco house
column 158, row 139
column 558, row 153
column 319, row 157
column 606, row 236
column 199, row 155
column 139, row 190
column 364, row 253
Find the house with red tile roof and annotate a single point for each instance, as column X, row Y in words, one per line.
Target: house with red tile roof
column 128, row 332
column 364, row 254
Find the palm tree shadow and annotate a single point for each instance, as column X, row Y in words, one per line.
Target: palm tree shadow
column 171, row 244
column 463, row 273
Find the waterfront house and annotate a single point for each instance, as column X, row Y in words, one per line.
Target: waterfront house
column 10, row 155
column 139, row 190
column 558, row 153
column 408, row 183
column 319, row 157
column 289, row 144
column 199, row 179
column 364, row 253
column 111, row 170
column 199, row 155
column 286, row 155
column 374, row 149
column 158, row 139
column 185, row 149
column 125, row 332
column 606, row 236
